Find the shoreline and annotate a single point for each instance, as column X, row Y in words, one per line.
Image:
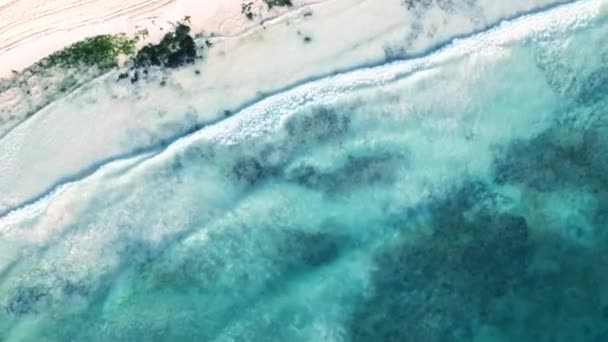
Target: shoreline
column 499, row 35
column 248, row 67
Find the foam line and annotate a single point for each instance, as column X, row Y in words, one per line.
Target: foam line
column 261, row 117
column 38, row 206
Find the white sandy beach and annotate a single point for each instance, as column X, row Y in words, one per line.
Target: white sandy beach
column 236, row 70
column 337, row 170
column 31, row 30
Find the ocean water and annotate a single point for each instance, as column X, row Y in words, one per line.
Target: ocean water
column 458, row 196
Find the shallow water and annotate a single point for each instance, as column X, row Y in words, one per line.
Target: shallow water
column 460, row 196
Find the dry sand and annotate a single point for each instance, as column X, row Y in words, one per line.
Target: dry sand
column 32, row 29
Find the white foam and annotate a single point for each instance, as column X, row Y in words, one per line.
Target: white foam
column 33, row 209
column 264, row 116
column 261, row 117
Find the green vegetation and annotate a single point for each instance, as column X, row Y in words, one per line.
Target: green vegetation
column 102, row 51
column 247, row 7
column 246, row 10
column 278, row 3
column 175, row 49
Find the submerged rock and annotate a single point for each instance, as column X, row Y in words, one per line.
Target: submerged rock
column 27, row 300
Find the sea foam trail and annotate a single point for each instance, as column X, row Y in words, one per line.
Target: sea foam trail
column 39, row 206
column 260, row 118
column 136, row 126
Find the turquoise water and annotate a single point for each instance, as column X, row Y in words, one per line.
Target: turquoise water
column 462, row 196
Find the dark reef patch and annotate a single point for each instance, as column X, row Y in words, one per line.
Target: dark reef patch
column 512, row 270
column 357, row 170
column 561, row 156
column 481, row 267
column 318, row 125
column 27, row 300
column 249, row 170
column 255, row 166
column 538, row 167
column 309, row 250
column 432, row 288
column 281, row 257
column 595, row 87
